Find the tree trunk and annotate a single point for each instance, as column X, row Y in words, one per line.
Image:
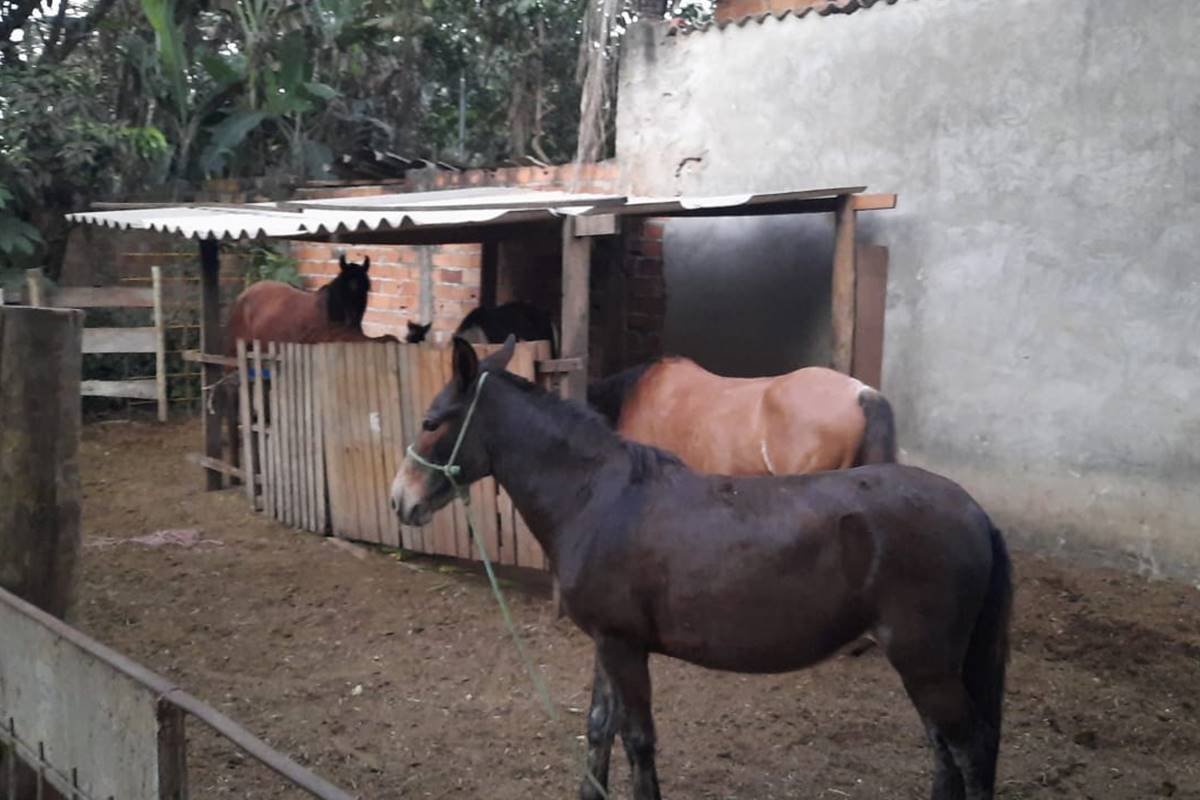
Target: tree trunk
column 40, row 367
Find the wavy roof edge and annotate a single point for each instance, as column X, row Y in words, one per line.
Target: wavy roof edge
column 824, row 10
column 383, row 213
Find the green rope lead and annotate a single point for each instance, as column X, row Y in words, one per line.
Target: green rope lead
column 451, row 471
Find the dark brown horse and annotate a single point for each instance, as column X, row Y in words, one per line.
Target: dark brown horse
column 756, row 575
column 809, row 420
column 493, row 324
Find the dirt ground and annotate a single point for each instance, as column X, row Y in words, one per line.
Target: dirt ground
column 397, row 679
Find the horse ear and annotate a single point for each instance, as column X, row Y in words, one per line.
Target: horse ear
column 366, row 263
column 342, row 260
column 498, row 360
column 466, row 364
column 425, row 328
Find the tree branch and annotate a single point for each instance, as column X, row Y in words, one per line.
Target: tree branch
column 77, row 32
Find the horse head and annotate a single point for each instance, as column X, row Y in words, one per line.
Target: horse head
column 346, row 295
column 417, row 333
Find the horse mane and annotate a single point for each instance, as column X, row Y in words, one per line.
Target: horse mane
column 586, row 428
column 607, row 395
column 341, row 308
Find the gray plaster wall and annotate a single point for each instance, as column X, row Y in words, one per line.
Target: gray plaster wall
column 1043, row 314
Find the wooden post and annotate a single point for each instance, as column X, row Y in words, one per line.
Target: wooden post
column 35, row 288
column 160, row 344
column 869, row 310
column 576, row 273
column 210, row 342
column 844, row 279
column 40, row 366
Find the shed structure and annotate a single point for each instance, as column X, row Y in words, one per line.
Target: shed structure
column 490, row 214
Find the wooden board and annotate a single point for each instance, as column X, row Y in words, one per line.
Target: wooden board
column 103, row 297
column 245, row 420
column 870, row 307
column 260, row 418
column 120, row 340
column 138, row 389
column 843, row 285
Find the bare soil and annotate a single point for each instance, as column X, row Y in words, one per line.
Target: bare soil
column 396, row 678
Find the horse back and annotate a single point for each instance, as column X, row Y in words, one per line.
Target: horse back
column 804, row 421
column 272, row 311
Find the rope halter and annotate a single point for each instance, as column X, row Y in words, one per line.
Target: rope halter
column 450, row 469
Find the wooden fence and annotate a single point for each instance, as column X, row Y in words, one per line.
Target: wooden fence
column 323, row 435
column 151, row 339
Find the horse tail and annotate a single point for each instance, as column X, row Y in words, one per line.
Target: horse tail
column 878, row 444
column 987, row 652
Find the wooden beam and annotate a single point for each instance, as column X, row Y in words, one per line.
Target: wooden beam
column 576, row 272
column 160, row 342
column 874, row 202
column 40, row 410
column 216, row 465
column 35, row 288
column 870, row 306
column 120, row 340
column 103, row 297
column 554, row 366
column 596, row 225
column 135, row 389
column 844, row 278
column 210, row 342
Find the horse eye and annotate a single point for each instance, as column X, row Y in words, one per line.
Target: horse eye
column 429, row 425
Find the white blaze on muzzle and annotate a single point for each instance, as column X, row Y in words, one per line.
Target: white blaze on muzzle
column 409, row 490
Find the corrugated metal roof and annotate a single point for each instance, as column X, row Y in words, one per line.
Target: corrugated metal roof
column 445, row 208
column 822, row 10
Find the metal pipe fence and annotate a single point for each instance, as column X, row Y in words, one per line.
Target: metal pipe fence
column 86, row 723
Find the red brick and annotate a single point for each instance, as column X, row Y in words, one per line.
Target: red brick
column 461, row 294
column 648, row 287
column 650, row 248
column 449, row 275
column 445, row 259
column 652, row 231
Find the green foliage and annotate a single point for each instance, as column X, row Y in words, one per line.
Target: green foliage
column 265, row 263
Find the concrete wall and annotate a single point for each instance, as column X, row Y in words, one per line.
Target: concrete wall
column 1044, row 292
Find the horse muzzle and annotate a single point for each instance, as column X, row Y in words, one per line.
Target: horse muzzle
column 416, row 494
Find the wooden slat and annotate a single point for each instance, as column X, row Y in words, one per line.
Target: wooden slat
column 843, row 291
column 360, row 473
column 870, row 307
column 160, row 344
column 244, row 419
column 210, row 342
column 139, row 389
column 119, row 340
column 279, row 383
column 331, row 425
column 277, row 478
column 312, row 439
column 196, row 357
column 393, row 440
column 261, row 415
column 373, row 421
column 507, row 532
column 342, row 394
column 462, row 545
column 215, row 464
column 443, row 521
column 422, row 536
column 322, row 484
column 409, row 537
column 300, row 450
column 102, row 297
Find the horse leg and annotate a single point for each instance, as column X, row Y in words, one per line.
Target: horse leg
column 628, row 668
column 603, row 718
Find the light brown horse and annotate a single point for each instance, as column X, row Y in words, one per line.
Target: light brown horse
column 809, row 420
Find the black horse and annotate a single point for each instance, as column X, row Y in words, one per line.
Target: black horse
column 485, row 325
column 753, row 574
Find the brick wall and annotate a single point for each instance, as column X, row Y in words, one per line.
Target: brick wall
column 646, row 292
column 438, row 283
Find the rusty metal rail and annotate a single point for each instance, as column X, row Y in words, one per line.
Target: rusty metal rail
column 47, row 643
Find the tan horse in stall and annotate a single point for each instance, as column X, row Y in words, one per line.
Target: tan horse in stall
column 810, row 420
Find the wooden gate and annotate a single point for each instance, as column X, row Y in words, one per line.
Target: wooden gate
column 324, row 434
